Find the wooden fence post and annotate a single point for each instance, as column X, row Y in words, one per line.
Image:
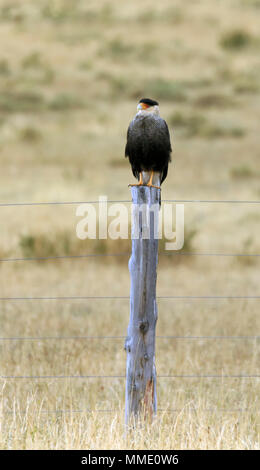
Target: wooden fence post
column 140, row 342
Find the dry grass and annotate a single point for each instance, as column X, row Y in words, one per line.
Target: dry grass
column 70, row 77
column 186, row 429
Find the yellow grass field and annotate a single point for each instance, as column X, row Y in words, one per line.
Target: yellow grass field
column 71, row 74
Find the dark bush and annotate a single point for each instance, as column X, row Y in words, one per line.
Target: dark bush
column 235, row 40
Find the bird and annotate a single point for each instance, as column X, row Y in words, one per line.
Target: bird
column 148, row 145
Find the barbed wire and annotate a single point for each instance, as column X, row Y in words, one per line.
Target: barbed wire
column 200, row 338
column 100, row 255
column 176, row 376
column 127, row 201
column 116, row 297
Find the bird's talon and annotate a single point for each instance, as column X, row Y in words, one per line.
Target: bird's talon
column 152, row 186
column 143, row 184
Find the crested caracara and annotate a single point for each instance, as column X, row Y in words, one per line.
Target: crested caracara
column 148, row 145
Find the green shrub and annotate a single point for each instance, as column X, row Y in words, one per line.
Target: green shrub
column 235, row 40
column 65, row 102
column 117, row 48
column 197, row 125
column 196, row 83
column 178, row 119
column 247, row 247
column 59, row 11
column 212, row 131
column 148, row 16
column 118, row 85
column 242, row 172
column 119, row 162
column 36, row 70
column 188, row 247
column 27, row 245
column 86, row 65
column 172, row 15
column 189, row 236
column 32, row 60
column 192, row 123
column 251, row 3
column 42, row 245
column 12, row 12
column 66, row 243
column 165, row 90
column 246, row 86
column 4, row 67
column 146, row 51
column 30, row 134
column 214, row 100
column 21, row 101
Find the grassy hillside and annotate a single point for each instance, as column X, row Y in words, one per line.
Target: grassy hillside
column 71, row 74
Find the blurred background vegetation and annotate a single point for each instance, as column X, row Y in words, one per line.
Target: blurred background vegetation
column 71, row 74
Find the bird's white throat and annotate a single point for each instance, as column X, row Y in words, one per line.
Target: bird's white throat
column 151, row 110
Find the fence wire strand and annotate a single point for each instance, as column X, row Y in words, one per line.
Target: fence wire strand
column 100, row 255
column 160, row 410
column 127, row 201
column 83, row 338
column 166, row 376
column 116, row 297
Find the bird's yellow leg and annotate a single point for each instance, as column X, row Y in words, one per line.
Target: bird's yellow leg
column 140, row 182
column 150, row 182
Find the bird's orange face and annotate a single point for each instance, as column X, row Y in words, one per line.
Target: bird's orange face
column 149, row 106
column 143, row 106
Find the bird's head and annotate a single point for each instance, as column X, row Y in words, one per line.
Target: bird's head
column 148, row 106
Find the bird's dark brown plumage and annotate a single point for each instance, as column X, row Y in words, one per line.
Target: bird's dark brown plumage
column 148, row 145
